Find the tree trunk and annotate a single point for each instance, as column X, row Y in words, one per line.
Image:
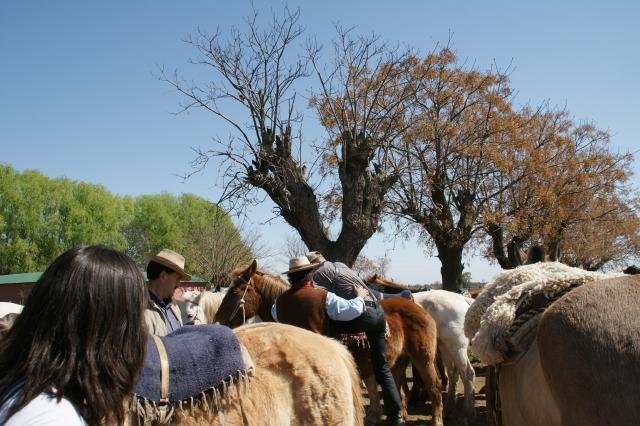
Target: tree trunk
column 510, row 258
column 363, row 192
column 452, row 267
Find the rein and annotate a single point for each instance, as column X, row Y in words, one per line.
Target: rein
column 241, row 303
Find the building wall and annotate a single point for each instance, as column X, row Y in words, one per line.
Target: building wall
column 16, row 293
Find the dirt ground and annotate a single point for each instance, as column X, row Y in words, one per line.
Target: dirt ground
column 421, row 414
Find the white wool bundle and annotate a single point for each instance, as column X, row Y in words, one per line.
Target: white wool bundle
column 491, row 316
column 503, row 283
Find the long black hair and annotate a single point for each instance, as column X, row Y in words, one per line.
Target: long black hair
column 81, row 335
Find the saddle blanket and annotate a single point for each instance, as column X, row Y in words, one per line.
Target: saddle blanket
column 201, row 357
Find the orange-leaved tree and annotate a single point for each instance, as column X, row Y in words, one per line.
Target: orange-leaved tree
column 460, row 141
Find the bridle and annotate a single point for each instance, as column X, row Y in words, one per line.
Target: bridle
column 197, row 315
column 241, row 302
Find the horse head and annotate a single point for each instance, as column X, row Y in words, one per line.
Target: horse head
column 250, row 296
column 190, row 308
column 242, row 301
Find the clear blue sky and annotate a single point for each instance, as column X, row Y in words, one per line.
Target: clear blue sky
column 78, row 97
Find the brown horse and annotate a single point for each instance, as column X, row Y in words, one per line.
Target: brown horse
column 448, row 309
column 413, row 336
column 299, row 378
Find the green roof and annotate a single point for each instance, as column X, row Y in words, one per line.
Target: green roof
column 29, row 277
column 32, row 277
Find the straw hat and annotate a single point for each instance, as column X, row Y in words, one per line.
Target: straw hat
column 170, row 259
column 315, row 257
column 300, row 263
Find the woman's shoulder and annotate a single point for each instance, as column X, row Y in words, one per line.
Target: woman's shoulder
column 45, row 409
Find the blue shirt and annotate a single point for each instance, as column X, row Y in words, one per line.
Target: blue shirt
column 169, row 317
column 338, row 309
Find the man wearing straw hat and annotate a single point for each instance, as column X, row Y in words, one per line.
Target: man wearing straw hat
column 165, row 271
column 305, row 298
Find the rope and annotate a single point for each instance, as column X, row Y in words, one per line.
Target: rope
column 241, row 304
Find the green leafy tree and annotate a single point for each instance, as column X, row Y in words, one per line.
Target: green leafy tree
column 198, row 229
column 41, row 217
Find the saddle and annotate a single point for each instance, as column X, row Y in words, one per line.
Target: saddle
column 358, row 340
column 510, row 323
column 187, row 364
column 524, row 328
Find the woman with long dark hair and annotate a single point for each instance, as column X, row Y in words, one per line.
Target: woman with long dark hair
column 75, row 352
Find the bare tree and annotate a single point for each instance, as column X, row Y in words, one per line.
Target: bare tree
column 294, row 246
column 256, row 83
column 366, row 267
column 217, row 247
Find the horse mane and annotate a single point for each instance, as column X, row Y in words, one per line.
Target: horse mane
column 210, row 302
column 271, row 285
column 377, row 279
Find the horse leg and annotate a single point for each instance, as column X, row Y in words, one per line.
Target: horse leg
column 468, row 375
column 399, row 371
column 447, row 375
column 450, row 403
column 429, row 375
column 441, row 365
column 417, row 395
column 374, row 413
column 418, row 391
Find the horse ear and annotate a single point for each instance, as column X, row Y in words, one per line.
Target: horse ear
column 248, row 271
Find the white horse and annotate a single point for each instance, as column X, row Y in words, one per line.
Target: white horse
column 200, row 307
column 448, row 309
column 190, row 311
column 9, row 308
column 8, row 313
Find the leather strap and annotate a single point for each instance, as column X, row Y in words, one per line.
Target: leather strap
column 164, row 370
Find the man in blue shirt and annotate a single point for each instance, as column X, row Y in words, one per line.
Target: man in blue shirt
column 165, row 271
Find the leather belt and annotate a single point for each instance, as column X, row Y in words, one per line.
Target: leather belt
column 164, row 370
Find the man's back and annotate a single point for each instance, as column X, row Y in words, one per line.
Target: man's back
column 338, row 278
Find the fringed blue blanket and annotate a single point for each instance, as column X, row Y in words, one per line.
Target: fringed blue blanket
column 201, row 358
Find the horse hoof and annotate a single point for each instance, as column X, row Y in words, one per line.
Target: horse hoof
column 371, row 421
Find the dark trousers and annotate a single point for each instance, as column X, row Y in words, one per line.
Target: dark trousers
column 373, row 323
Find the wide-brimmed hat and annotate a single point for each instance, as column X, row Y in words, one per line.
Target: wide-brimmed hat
column 170, row 259
column 300, row 263
column 315, row 256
